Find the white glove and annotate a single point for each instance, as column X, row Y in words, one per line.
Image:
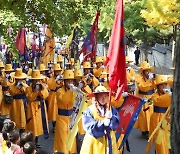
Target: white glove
column 59, row 77
column 108, row 114
column 125, row 94
column 166, row 90
column 128, row 68
column 106, row 122
column 20, row 84
column 80, row 85
column 133, row 78
column 72, row 87
column 151, row 76
column 170, row 94
column 102, row 67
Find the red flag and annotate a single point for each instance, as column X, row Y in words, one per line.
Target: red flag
column 116, row 53
column 128, row 113
column 21, row 41
column 90, row 44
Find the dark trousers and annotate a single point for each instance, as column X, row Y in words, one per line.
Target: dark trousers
column 137, row 60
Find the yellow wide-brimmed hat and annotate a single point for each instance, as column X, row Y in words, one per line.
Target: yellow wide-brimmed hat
column 128, row 60
column 87, row 64
column 145, row 66
column 170, row 81
column 99, row 89
column 78, row 73
column 42, row 67
column 8, row 68
column 60, row 58
column 36, row 75
column 68, row 74
column 18, row 74
column 161, row 79
column 99, row 60
column 1, row 64
column 57, row 67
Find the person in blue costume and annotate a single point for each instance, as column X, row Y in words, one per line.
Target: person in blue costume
column 100, row 124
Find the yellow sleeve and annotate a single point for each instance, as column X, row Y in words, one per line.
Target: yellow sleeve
column 95, row 82
column 31, row 96
column 44, row 93
column 118, row 103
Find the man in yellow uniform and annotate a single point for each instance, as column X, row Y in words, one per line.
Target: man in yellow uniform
column 145, row 88
column 97, row 71
column 65, row 99
column 6, row 83
column 36, row 94
column 161, row 101
column 19, row 102
column 54, row 83
column 88, row 77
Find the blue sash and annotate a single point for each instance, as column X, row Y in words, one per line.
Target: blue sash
column 150, row 92
column 23, row 97
column 64, row 112
column 158, row 109
column 44, row 123
column 57, row 88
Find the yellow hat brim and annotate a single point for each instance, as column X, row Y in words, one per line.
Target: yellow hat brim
column 23, row 76
column 143, row 69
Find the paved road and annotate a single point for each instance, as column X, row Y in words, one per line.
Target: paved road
column 136, row 141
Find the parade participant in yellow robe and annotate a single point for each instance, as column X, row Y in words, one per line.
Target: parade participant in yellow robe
column 100, row 125
column 43, row 70
column 54, row 83
column 145, row 88
column 65, row 99
column 97, row 71
column 36, row 93
column 161, row 101
column 6, row 83
column 86, row 89
column 19, row 103
column 130, row 73
column 88, row 77
column 60, row 62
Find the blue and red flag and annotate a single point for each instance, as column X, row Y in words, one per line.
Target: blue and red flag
column 128, row 113
column 116, row 58
column 90, row 44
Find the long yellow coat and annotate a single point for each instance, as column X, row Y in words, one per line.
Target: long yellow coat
column 17, row 112
column 129, row 74
column 95, row 141
column 34, row 117
column 5, row 108
column 162, row 101
column 52, row 102
column 65, row 101
column 144, row 86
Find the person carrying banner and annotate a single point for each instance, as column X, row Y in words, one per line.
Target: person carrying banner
column 36, row 93
column 54, row 83
column 65, row 100
column 60, row 61
column 6, row 83
column 19, row 102
column 145, row 88
column 100, row 124
column 161, row 100
column 88, row 77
